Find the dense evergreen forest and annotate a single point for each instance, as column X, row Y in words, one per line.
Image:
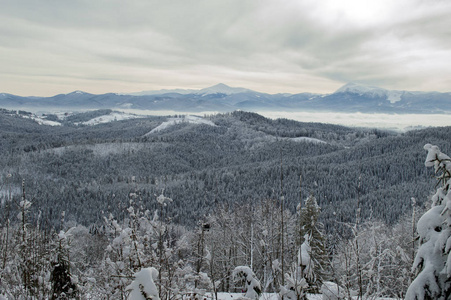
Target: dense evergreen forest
column 227, row 171
column 88, row 171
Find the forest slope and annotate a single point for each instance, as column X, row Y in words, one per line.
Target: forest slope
column 234, row 158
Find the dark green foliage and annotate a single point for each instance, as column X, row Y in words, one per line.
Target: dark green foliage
column 63, row 288
column 86, row 116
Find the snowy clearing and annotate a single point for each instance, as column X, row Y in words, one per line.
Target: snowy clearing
column 308, row 140
column 185, row 119
column 43, row 121
column 113, row 116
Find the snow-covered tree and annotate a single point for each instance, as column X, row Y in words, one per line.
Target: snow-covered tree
column 63, row 282
column 143, row 286
column 384, row 256
column 27, row 266
column 332, row 291
column 252, row 288
column 120, row 261
column 433, row 260
column 143, row 239
column 300, row 274
column 312, row 229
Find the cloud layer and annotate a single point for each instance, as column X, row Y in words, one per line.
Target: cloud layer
column 49, row 47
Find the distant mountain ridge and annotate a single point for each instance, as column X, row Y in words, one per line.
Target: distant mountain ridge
column 352, row 97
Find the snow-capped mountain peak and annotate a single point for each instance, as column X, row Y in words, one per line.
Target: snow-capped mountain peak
column 361, row 89
column 78, row 92
column 222, row 89
column 371, row 91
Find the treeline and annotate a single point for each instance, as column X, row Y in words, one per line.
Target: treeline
column 99, row 262
column 89, row 169
column 90, row 205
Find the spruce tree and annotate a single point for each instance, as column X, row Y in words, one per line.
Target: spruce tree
column 63, row 285
column 433, row 261
column 311, row 227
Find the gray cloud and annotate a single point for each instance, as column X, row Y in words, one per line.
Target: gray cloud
column 47, row 47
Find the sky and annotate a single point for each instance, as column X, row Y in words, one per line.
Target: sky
column 49, row 47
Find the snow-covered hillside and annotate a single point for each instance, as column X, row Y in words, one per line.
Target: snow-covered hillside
column 308, row 140
column 185, row 119
column 113, row 116
column 42, row 121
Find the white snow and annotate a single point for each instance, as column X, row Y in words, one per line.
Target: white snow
column 113, row 116
column 186, row 119
column 304, row 255
column 163, row 200
column 432, row 259
column 76, row 92
column 394, row 96
column 271, row 296
column 252, row 288
column 332, row 291
column 144, row 284
column 391, row 95
column 361, row 89
column 62, row 235
column 307, row 139
column 42, row 121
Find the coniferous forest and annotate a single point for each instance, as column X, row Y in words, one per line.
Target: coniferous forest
column 231, row 202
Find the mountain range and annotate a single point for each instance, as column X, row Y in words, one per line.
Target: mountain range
column 352, row 97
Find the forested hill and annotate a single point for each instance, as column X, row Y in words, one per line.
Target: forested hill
column 89, row 171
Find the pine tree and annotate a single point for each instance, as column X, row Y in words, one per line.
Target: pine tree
column 63, row 285
column 433, row 260
column 310, row 227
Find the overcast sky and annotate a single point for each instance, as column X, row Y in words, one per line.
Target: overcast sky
column 58, row 46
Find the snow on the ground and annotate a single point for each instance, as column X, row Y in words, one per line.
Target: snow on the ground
column 269, row 296
column 113, row 116
column 264, row 296
column 102, row 149
column 185, row 119
column 307, row 139
column 43, row 121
